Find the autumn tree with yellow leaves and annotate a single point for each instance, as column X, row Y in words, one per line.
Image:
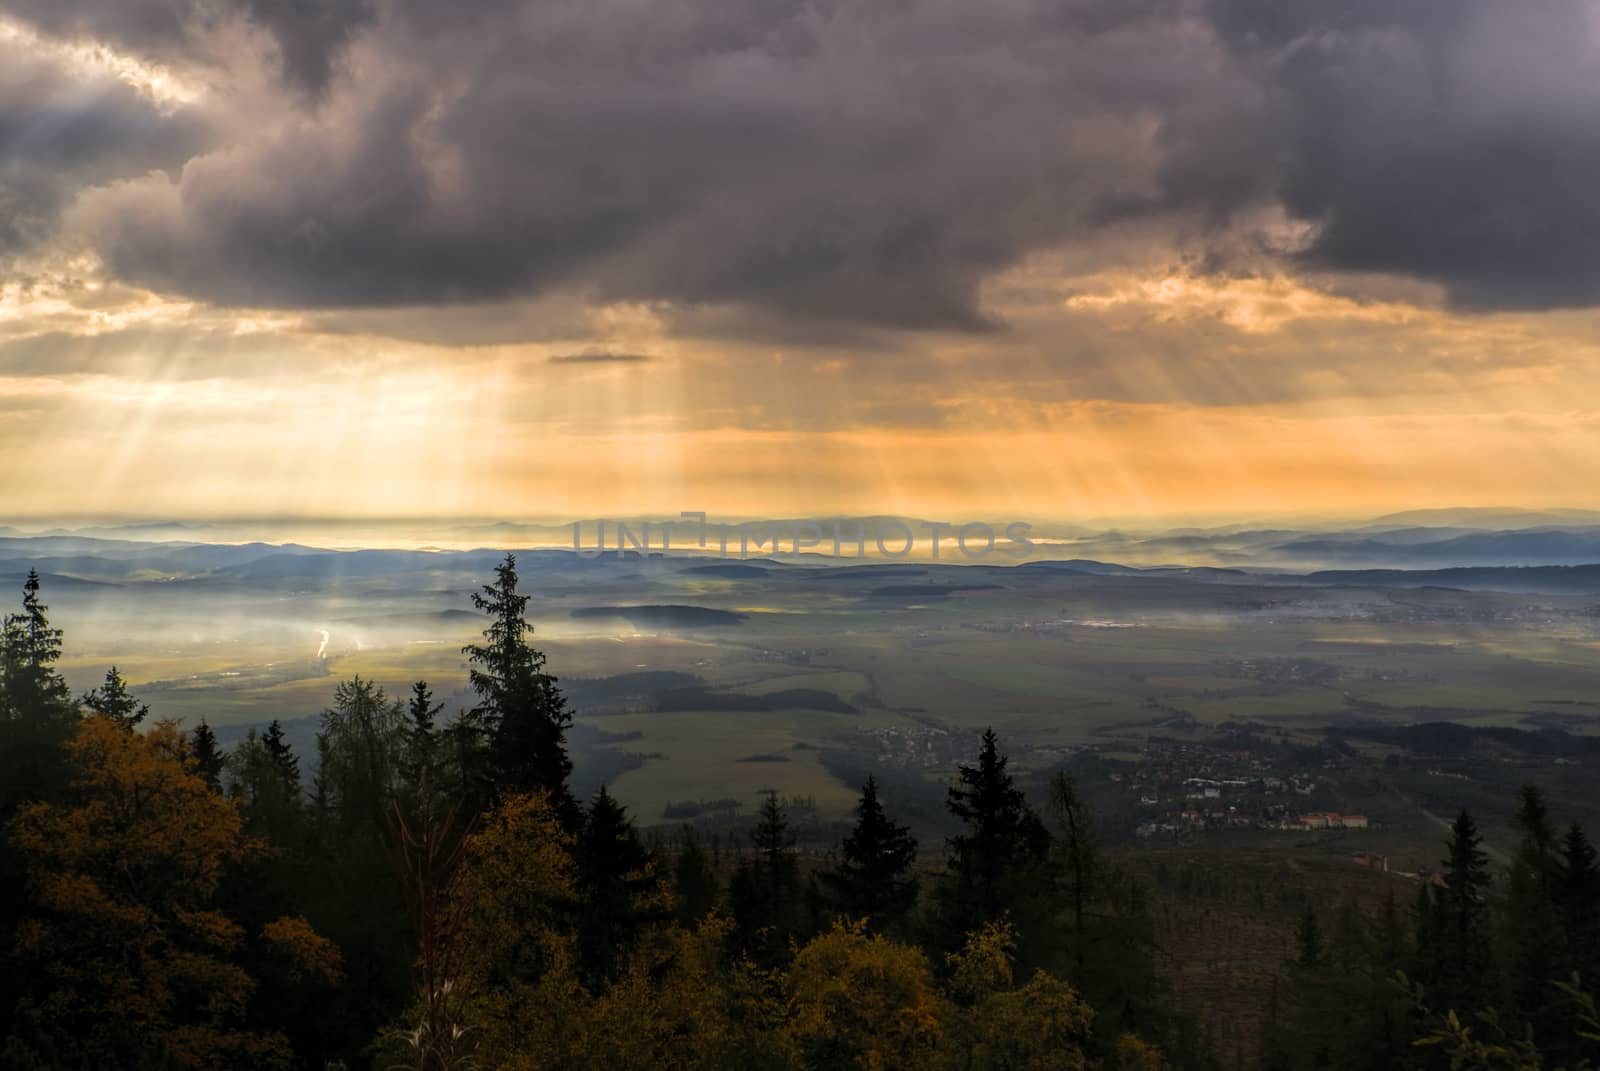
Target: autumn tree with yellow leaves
column 130, row 963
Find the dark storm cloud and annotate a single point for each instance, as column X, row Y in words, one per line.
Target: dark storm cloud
column 861, row 164
column 856, row 163
column 59, row 135
column 309, row 35
column 1452, row 142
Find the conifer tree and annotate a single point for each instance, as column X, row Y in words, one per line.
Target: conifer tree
column 360, row 744
column 1459, row 959
column 31, row 690
column 466, row 780
column 1001, row 845
column 206, row 756
column 1076, row 855
column 872, row 880
column 264, row 777
column 522, row 713
column 37, row 713
column 694, row 879
column 421, row 732
column 1533, row 929
column 1578, row 897
column 614, row 887
column 113, row 700
column 765, row 891
column 1090, row 921
column 281, row 753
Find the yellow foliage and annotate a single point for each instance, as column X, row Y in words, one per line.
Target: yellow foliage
column 125, row 949
column 983, row 965
column 1040, row 1026
column 519, row 983
column 862, row 1001
column 309, row 953
column 847, row 1000
column 677, row 1003
column 1136, row 1055
column 670, row 1007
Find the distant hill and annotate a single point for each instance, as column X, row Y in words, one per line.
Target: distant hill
column 663, row 616
column 1516, row 547
column 1538, row 579
column 1490, row 517
column 729, row 571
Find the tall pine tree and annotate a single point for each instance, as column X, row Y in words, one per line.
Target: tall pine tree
column 873, row 879
column 421, row 733
column 765, row 891
column 37, row 713
column 694, row 879
column 997, row 855
column 1454, row 944
column 617, row 890
column 1533, row 928
column 31, row 690
column 1578, row 898
column 522, row 713
column 206, row 756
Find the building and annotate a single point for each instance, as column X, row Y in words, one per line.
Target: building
column 1355, row 821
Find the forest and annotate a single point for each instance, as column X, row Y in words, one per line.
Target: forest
column 425, row 892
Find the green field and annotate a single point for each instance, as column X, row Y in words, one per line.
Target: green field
column 1048, row 661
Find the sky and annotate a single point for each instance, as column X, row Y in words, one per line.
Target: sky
column 561, row 259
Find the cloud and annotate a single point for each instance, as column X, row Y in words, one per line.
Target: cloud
column 62, row 131
column 602, row 358
column 836, row 167
column 828, row 162
column 1453, row 143
column 308, row 36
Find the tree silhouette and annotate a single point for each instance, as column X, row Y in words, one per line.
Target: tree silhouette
column 616, row 889
column 1455, row 940
column 206, row 756
column 30, row 688
column 694, row 880
column 112, row 700
column 520, row 709
column 1001, row 841
column 873, row 880
column 765, row 891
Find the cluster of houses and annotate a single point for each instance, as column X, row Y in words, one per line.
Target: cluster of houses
column 1218, row 817
column 1324, row 820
